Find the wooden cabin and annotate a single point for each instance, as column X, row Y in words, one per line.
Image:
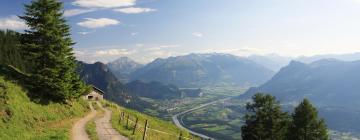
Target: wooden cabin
column 95, row 94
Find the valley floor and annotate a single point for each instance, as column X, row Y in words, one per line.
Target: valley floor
column 177, row 118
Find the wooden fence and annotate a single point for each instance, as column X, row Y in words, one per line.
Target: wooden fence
column 133, row 123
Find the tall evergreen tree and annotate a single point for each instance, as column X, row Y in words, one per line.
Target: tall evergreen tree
column 265, row 120
column 47, row 45
column 306, row 125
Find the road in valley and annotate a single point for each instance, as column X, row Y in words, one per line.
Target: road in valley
column 180, row 124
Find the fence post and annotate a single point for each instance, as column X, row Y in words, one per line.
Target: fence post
column 136, row 122
column 145, row 129
column 180, row 136
column 127, row 121
column 120, row 117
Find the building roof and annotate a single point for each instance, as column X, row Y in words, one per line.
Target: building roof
column 97, row 89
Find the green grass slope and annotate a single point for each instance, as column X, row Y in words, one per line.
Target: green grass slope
column 22, row 119
column 159, row 129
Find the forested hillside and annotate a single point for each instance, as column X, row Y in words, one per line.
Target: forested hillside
column 10, row 49
column 154, row 90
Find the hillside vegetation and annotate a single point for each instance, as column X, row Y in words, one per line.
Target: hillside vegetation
column 20, row 118
column 158, row 129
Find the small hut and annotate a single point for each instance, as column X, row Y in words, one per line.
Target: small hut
column 95, row 94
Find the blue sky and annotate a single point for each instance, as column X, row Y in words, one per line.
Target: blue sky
column 146, row 29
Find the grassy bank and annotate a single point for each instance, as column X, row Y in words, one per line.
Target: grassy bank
column 23, row 119
column 168, row 130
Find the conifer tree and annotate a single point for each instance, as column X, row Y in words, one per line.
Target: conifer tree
column 47, row 46
column 305, row 124
column 265, row 120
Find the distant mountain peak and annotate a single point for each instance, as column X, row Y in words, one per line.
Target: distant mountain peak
column 326, row 61
column 122, row 60
column 296, row 63
column 123, row 67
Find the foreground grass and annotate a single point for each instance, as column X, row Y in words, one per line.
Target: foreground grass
column 171, row 131
column 22, row 119
column 91, row 130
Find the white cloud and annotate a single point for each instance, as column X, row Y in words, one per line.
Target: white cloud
column 13, row 23
column 74, row 12
column 134, row 34
column 98, row 23
column 103, row 3
column 357, row 1
column 140, row 52
column 134, row 10
column 169, row 46
column 197, row 34
column 84, row 33
column 112, row 52
column 139, row 45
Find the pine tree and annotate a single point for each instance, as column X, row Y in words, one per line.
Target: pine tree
column 305, row 124
column 47, row 46
column 265, row 120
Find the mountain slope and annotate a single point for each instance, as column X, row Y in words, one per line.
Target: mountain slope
column 332, row 85
column 202, row 70
column 97, row 74
column 21, row 118
column 272, row 61
column 123, row 67
column 162, row 128
column 154, row 90
column 343, row 57
column 329, row 82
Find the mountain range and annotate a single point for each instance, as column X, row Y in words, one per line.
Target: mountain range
column 332, row 85
column 343, row 57
column 99, row 75
column 273, row 62
column 327, row 81
column 196, row 70
column 123, row 67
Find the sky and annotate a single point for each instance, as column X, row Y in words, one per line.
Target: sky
column 147, row 29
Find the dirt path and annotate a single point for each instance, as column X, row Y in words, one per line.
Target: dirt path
column 78, row 131
column 104, row 129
